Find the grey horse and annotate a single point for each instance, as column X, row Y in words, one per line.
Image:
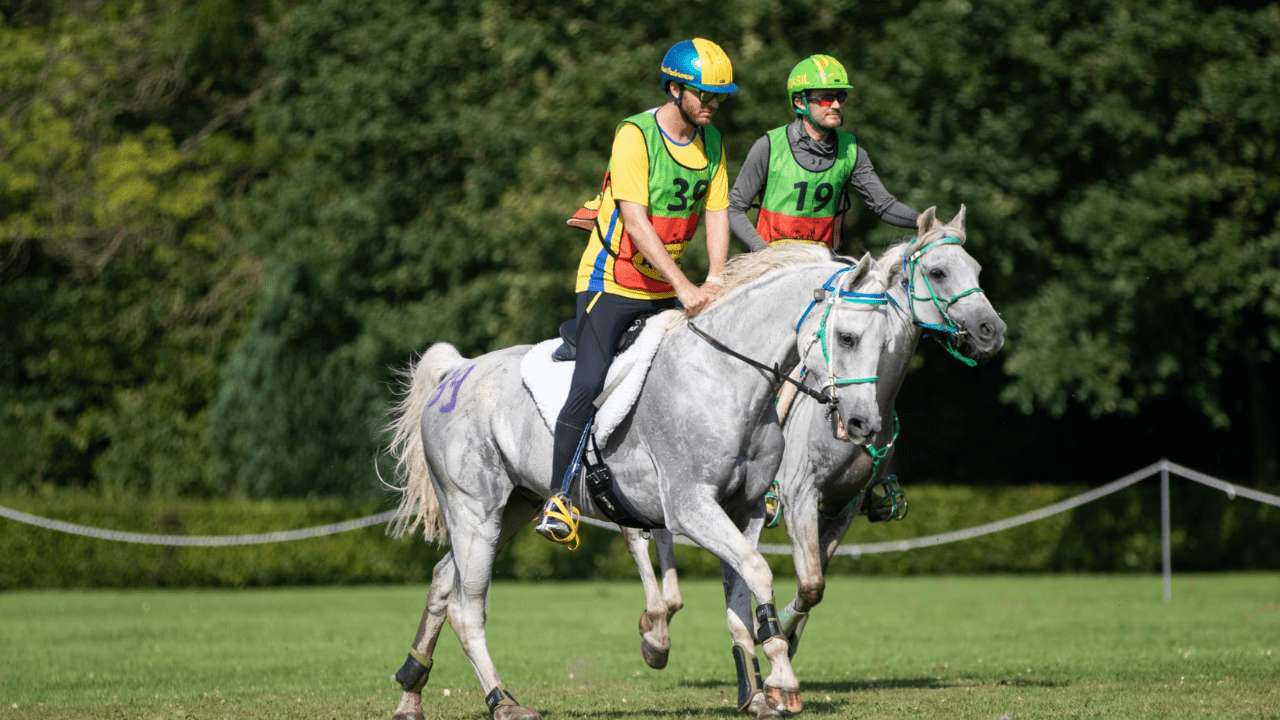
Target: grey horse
column 697, row 453
column 823, row 477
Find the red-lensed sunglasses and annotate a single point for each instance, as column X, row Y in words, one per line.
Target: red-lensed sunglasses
column 829, row 99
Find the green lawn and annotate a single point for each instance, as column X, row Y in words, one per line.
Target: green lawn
column 971, row 647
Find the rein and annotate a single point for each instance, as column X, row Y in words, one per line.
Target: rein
column 828, row 294
column 951, row 329
column 778, row 375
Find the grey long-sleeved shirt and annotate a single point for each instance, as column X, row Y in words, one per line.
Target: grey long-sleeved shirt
column 814, row 156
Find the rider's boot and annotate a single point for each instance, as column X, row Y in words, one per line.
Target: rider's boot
column 559, row 520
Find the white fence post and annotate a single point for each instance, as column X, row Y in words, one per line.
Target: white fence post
column 1166, row 545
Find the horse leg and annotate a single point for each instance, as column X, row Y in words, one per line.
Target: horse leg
column 413, row 675
column 801, row 512
column 744, row 631
column 704, row 522
column 655, row 638
column 670, row 580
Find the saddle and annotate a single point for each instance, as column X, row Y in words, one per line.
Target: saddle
column 568, row 349
column 546, row 377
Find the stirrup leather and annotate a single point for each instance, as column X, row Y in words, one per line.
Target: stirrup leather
column 559, row 522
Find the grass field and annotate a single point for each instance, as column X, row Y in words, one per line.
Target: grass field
column 919, row 647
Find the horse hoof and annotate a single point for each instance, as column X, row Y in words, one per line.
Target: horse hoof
column 410, row 708
column 786, row 702
column 515, row 712
column 760, row 707
column 654, row 657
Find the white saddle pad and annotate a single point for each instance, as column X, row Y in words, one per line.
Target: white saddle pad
column 547, row 380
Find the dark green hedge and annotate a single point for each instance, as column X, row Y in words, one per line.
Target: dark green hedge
column 1119, row 533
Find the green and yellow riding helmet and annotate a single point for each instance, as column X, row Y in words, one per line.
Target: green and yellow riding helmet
column 816, row 72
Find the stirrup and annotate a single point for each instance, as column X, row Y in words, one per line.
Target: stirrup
column 890, row 506
column 559, row 522
column 772, row 506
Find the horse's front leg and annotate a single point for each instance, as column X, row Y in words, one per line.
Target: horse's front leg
column 800, row 509
column 745, row 629
column 704, row 522
column 655, row 637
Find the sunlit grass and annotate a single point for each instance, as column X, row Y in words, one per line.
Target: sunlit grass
column 981, row 647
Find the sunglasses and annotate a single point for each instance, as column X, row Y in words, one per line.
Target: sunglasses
column 828, row 99
column 706, row 96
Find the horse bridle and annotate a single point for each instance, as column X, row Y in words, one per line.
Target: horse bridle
column 829, row 294
column 951, row 329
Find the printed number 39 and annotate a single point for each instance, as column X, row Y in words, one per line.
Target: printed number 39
column 682, row 187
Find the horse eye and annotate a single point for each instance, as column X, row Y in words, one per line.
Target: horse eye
column 847, row 340
column 937, row 273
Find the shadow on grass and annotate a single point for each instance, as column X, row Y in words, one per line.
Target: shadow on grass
column 853, row 686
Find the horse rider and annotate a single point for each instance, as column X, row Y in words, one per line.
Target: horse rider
column 667, row 169
column 802, row 170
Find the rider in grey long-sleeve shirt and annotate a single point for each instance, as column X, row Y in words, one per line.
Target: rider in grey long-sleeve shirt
column 808, row 210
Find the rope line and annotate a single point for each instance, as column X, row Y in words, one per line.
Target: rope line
column 196, row 540
column 1133, row 478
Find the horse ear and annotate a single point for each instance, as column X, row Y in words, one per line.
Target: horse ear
column 957, row 222
column 927, row 221
column 860, row 270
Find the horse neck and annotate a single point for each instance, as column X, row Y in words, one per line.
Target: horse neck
column 905, row 335
column 759, row 321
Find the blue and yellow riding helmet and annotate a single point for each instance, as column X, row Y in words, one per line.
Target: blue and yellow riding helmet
column 700, row 64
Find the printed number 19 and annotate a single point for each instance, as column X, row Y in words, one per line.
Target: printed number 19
column 822, row 195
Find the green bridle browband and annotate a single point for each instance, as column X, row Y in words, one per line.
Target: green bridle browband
column 910, row 262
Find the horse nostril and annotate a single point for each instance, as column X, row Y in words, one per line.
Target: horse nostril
column 985, row 330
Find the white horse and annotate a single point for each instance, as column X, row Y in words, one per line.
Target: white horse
column 697, row 453
column 824, row 479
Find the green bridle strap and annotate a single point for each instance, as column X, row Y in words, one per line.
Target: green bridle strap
column 877, row 455
column 951, row 328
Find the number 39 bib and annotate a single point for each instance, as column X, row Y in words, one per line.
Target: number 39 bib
column 677, row 196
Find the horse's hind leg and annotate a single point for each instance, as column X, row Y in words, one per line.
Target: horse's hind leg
column 412, row 677
column 660, row 606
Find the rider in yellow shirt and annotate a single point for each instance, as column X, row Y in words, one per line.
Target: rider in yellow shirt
column 666, row 171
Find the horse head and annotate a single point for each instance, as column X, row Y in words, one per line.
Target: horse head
column 941, row 283
column 840, row 338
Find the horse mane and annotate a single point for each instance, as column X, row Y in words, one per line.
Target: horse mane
column 745, row 268
column 891, row 258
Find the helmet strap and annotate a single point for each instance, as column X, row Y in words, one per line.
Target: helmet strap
column 804, row 98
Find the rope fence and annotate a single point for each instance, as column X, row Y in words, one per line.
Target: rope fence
column 1162, row 467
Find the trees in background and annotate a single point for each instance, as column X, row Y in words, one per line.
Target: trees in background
column 225, row 222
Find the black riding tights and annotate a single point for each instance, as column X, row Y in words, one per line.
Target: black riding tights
column 602, row 318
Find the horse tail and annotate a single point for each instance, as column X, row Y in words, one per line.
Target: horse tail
column 418, row 503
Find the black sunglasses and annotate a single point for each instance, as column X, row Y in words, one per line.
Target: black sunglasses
column 706, row 96
column 827, row 99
